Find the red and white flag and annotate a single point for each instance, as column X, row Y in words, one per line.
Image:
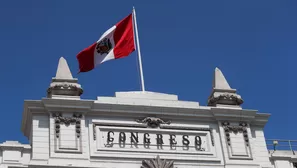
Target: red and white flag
column 116, row 42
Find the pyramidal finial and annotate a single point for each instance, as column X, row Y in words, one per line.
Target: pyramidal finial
column 222, row 94
column 63, row 71
column 64, row 85
column 219, row 81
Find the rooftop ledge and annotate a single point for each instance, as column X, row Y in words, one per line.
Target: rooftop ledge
column 146, row 98
column 146, row 95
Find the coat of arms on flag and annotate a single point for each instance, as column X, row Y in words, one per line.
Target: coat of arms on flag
column 117, row 42
column 104, row 46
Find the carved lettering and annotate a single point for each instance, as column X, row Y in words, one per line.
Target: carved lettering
column 186, row 141
column 160, row 139
column 146, row 138
column 122, row 137
column 110, row 139
column 134, row 138
column 172, row 139
column 197, row 140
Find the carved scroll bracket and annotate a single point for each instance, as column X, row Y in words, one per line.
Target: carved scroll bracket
column 242, row 128
column 75, row 119
column 153, row 122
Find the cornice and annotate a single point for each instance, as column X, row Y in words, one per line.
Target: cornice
column 261, row 119
column 93, row 108
column 19, row 148
column 280, row 157
column 132, row 110
column 15, row 145
column 30, row 107
column 16, row 166
column 233, row 114
column 201, row 113
column 48, row 105
column 67, row 105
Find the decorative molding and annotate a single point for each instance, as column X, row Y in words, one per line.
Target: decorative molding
column 157, row 163
column 75, row 119
column 210, row 130
column 242, row 128
column 101, row 143
column 65, row 87
column 233, row 99
column 152, row 122
column 211, row 137
column 94, row 132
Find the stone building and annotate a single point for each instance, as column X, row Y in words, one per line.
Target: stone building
column 141, row 129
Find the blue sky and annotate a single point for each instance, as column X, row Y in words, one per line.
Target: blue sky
column 252, row 42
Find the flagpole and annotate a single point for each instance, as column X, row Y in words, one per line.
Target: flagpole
column 138, row 50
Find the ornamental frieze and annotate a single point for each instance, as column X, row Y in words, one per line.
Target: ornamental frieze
column 153, row 122
column 75, row 119
column 157, row 163
column 241, row 128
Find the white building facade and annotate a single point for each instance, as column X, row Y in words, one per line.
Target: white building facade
column 140, row 130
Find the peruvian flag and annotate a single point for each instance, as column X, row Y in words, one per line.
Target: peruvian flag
column 116, row 42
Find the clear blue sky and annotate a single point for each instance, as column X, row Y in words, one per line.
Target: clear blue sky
column 252, row 42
